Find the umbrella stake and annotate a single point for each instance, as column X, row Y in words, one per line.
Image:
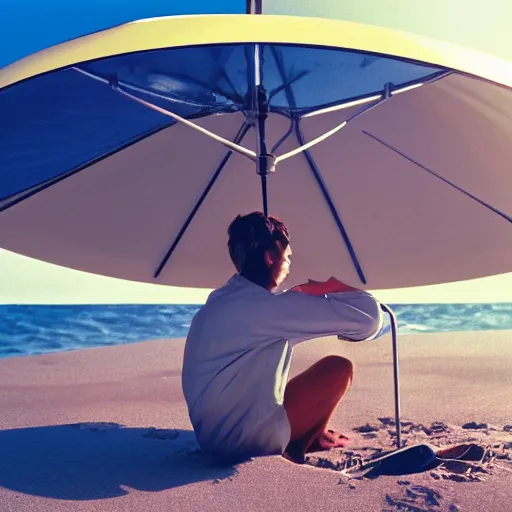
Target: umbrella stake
column 395, row 373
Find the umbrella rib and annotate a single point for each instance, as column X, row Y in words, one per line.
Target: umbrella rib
column 388, row 92
column 332, row 208
column 116, row 87
column 342, row 106
column 284, row 137
column 225, row 142
column 239, row 136
column 27, row 193
column 314, row 168
column 434, row 173
column 216, row 90
column 306, row 145
column 360, row 100
column 296, row 78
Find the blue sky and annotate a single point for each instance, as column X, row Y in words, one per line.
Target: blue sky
column 27, row 26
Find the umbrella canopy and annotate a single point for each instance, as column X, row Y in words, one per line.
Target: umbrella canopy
column 99, row 172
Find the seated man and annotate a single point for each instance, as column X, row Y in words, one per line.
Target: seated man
column 239, row 347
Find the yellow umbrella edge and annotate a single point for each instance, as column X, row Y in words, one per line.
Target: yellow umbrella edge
column 199, row 30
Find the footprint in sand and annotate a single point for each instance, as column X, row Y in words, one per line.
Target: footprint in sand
column 439, row 435
column 430, row 496
column 98, row 426
column 365, row 429
column 161, row 433
column 390, row 422
column 417, row 498
column 473, row 425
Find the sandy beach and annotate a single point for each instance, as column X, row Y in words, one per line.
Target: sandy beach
column 107, row 430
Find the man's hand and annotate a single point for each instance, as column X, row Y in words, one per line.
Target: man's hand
column 332, row 285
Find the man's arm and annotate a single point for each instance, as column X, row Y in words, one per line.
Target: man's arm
column 354, row 315
column 332, row 285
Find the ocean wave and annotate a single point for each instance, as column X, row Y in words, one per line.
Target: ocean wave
column 40, row 329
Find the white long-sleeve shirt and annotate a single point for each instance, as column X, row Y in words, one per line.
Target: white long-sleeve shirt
column 238, row 354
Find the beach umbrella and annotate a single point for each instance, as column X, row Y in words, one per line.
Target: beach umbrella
column 128, row 151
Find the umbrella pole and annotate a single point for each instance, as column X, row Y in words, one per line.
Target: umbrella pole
column 254, row 7
column 395, row 373
column 264, row 194
column 265, row 162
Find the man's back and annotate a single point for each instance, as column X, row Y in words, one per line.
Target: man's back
column 238, row 353
column 234, row 373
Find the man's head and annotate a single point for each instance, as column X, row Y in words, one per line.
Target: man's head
column 260, row 249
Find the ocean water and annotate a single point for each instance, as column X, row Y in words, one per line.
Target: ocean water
column 26, row 329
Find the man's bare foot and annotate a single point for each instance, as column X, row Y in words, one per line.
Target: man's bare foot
column 295, row 452
column 328, row 440
column 324, row 442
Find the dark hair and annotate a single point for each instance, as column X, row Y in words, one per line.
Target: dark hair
column 249, row 237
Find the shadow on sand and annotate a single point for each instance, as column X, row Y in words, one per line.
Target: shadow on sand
column 89, row 461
